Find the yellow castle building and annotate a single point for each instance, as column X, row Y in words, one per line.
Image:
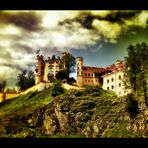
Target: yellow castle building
column 47, row 69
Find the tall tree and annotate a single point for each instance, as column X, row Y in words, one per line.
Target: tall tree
column 68, row 62
column 21, row 78
column 3, row 85
column 30, row 79
column 136, row 70
column 25, row 80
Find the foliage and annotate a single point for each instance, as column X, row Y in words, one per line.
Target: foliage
column 3, row 85
column 25, row 80
column 132, row 106
column 96, row 90
column 57, row 88
column 136, row 70
column 68, row 63
column 61, row 75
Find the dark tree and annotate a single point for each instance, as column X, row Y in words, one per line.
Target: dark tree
column 0, row 87
column 25, row 80
column 30, row 79
column 68, row 63
column 57, row 88
column 61, row 75
column 4, row 84
column 21, row 80
column 136, row 70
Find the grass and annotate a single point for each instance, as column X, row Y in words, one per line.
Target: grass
column 31, row 99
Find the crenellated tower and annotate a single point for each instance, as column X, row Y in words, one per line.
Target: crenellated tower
column 79, row 62
column 40, row 66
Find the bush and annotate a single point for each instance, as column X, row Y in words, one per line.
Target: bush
column 57, row 88
column 132, row 106
column 92, row 90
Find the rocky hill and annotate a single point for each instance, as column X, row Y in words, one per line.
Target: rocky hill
column 92, row 112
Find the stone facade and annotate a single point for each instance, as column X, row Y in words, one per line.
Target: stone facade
column 109, row 78
column 88, row 75
column 46, row 69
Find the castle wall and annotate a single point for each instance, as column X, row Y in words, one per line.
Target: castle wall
column 114, row 82
column 46, row 70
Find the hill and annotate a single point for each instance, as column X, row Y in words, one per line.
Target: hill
column 92, row 112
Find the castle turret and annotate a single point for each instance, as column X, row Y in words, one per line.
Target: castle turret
column 40, row 65
column 79, row 62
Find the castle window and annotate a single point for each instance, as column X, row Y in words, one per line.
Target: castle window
column 119, row 77
column 107, row 80
column 85, row 74
column 112, row 79
column 92, row 74
column 88, row 74
column 112, row 86
column 119, row 84
column 123, row 75
column 107, row 88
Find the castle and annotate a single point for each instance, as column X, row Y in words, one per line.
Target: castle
column 47, row 69
column 109, row 78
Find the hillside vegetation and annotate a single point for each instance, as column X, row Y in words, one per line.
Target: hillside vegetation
column 92, row 112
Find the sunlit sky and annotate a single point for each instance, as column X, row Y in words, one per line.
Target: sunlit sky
column 100, row 37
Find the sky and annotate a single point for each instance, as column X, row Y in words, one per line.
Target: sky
column 99, row 36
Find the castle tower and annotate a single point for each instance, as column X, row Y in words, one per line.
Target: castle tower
column 40, row 66
column 79, row 62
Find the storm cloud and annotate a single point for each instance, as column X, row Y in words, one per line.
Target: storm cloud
column 25, row 20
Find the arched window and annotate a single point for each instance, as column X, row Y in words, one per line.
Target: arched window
column 107, row 80
column 112, row 79
column 119, row 84
column 112, row 86
column 119, row 77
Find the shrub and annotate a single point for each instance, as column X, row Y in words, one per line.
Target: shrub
column 132, row 106
column 57, row 88
column 92, row 89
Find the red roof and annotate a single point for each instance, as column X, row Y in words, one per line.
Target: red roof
column 94, row 69
column 116, row 67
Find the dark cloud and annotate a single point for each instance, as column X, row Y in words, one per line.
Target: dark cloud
column 86, row 18
column 119, row 16
column 26, row 20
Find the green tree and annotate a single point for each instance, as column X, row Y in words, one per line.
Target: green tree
column 21, row 78
column 25, row 79
column 136, row 69
column 57, row 88
column 68, row 63
column 30, row 79
column 3, row 85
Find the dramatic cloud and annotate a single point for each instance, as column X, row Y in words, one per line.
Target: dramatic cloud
column 25, row 20
column 24, row 32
